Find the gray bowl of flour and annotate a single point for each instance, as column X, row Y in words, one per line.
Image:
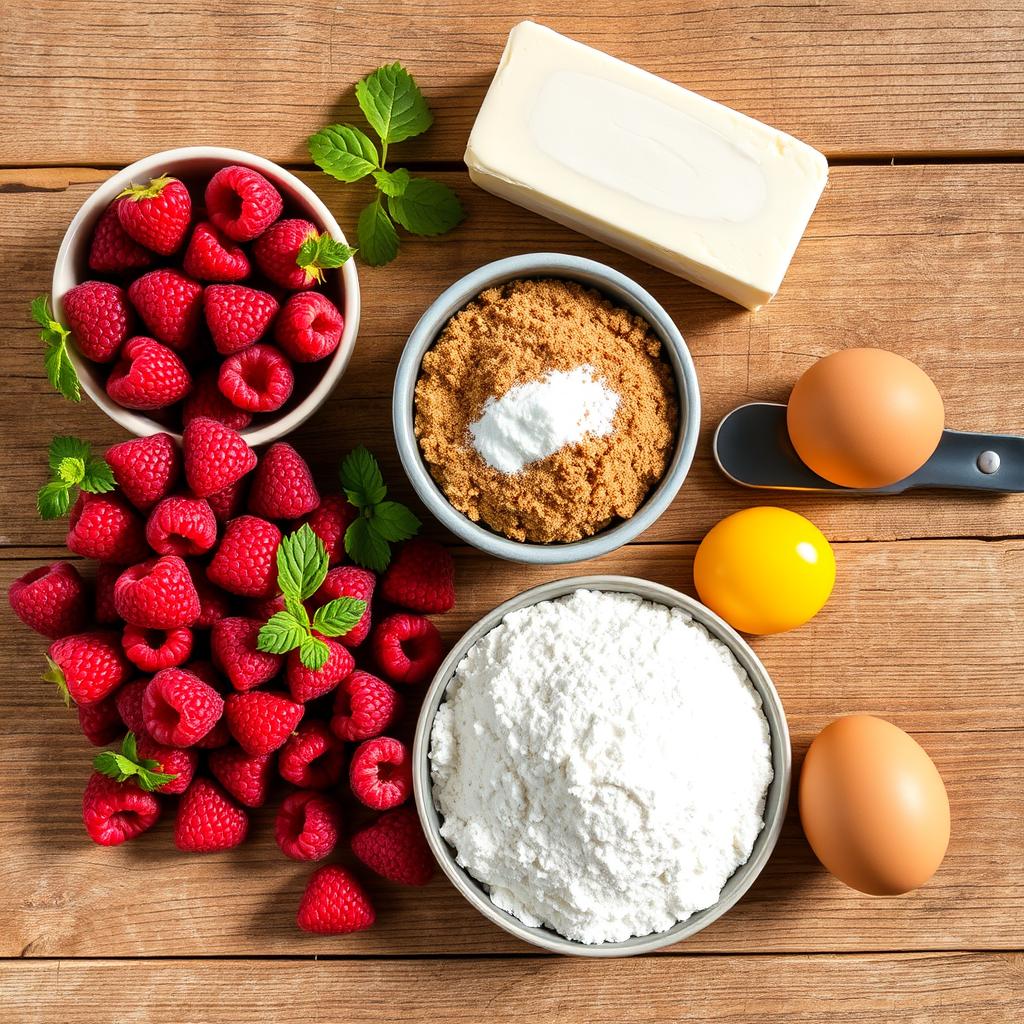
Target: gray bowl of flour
column 428, row 770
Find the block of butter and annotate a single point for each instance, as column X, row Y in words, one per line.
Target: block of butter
column 644, row 165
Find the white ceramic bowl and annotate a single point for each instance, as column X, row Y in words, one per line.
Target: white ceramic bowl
column 190, row 162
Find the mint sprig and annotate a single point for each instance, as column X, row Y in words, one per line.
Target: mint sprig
column 301, row 570
column 380, row 523
column 396, row 110
column 72, row 465
column 320, row 252
column 54, row 335
column 128, row 765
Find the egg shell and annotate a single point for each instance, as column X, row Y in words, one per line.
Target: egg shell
column 865, row 417
column 873, row 806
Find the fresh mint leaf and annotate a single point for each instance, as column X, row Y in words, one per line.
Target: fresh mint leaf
column 40, row 308
column 314, row 653
column 297, row 610
column 320, row 252
column 71, row 471
column 281, row 633
column 378, row 239
column 53, row 499
column 128, row 765
column 392, row 183
column 366, row 547
column 393, row 521
column 426, row 207
column 337, row 617
column 64, row 447
column 54, row 335
column 343, row 152
column 361, row 479
column 72, row 465
column 98, row 477
column 301, row 563
column 392, row 102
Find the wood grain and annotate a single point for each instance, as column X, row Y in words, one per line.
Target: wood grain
column 108, row 83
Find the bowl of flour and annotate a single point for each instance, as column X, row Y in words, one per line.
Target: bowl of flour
column 602, row 766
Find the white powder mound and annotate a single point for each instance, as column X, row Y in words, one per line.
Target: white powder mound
column 534, row 420
column 601, row 765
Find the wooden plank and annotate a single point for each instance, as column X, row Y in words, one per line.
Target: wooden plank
column 879, row 77
column 985, row 989
column 916, row 259
column 920, row 633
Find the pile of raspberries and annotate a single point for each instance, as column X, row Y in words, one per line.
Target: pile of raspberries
column 162, row 646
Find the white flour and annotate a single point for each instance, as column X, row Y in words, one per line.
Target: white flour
column 534, row 420
column 601, row 765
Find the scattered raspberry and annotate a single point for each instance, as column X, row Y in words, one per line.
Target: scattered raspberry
column 156, row 215
column 116, row 811
column 233, row 643
column 242, row 203
column 170, row 305
column 229, row 502
column 334, row 903
column 394, row 846
column 212, row 256
column 245, row 561
column 237, row 316
column 146, row 468
column 277, row 254
column 157, row 594
column 113, row 250
column 148, row 376
column 181, row 526
column 154, row 649
column 214, row 603
column 106, row 576
column 364, row 707
column 100, row 319
column 309, row 327
column 51, row 599
column 258, row 379
column 206, row 400
column 308, row 825
column 245, row 776
column 312, row 757
column 421, row 577
column 407, row 648
column 100, row 722
column 282, row 486
column 350, row 581
column 215, row 456
column 179, row 709
column 330, row 521
column 209, row 820
column 381, row 773
column 306, row 684
column 261, row 720
column 102, row 526
column 169, row 761
column 128, row 701
column 87, row 667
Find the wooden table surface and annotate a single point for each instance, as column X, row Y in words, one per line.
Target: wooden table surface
column 917, row 246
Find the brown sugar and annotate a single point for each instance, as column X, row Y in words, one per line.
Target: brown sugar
column 516, row 333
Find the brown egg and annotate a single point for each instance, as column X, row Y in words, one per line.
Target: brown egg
column 865, row 417
column 873, row 806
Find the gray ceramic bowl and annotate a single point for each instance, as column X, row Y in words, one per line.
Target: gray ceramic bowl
column 775, row 802
column 619, row 289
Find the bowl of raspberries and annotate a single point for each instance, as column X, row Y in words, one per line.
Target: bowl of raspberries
column 207, row 282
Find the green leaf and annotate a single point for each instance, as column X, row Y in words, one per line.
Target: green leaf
column 64, row 447
column 426, row 207
column 98, row 478
column 301, row 563
column 361, row 478
column 392, row 183
column 41, row 311
column 320, row 252
column 71, row 471
column 337, row 617
column 297, row 610
column 128, row 765
column 53, row 499
column 344, row 152
column 393, row 521
column 54, row 336
column 55, row 674
column 366, row 547
column 378, row 239
column 313, row 653
column 393, row 104
column 282, row 633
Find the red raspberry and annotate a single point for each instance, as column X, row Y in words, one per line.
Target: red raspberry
column 100, row 722
column 394, row 846
column 312, row 757
column 214, row 603
column 215, row 456
column 334, row 903
column 179, row 709
column 219, row 736
column 349, row 581
column 87, row 666
column 233, row 643
column 237, row 316
column 169, row 761
column 146, row 468
column 102, row 526
column 181, row 526
column 421, row 577
column 277, row 254
column 106, row 576
column 212, row 256
column 364, row 706
column 148, row 376
column 128, row 701
column 229, row 502
column 50, row 599
column 282, row 486
column 206, row 400
column 116, row 811
column 308, row 825
column 242, row 203
column 261, row 720
column 309, row 327
column 258, row 379
column 100, row 319
column 156, row 215
column 407, row 648
column 157, row 594
column 245, row 776
column 209, row 820
column 245, row 563
column 170, row 305
column 307, row 684
column 329, row 522
column 265, row 608
column 381, row 773
column 113, row 250
column 154, row 649
column 206, row 671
